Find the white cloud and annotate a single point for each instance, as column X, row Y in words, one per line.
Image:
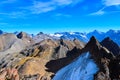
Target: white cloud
column 100, row 12
column 41, row 7
column 111, row 2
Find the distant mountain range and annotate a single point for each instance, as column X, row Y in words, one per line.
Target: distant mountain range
column 113, row 34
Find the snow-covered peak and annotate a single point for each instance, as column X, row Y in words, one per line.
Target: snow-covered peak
column 71, row 36
column 56, row 35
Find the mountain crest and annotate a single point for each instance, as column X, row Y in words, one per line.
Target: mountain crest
column 92, row 44
column 111, row 46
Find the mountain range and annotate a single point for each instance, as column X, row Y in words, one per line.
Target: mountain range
column 60, row 56
column 113, row 34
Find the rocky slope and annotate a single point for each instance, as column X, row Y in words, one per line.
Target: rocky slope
column 38, row 59
column 10, row 45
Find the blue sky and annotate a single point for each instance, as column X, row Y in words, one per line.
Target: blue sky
column 51, row 16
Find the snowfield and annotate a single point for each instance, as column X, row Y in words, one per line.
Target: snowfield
column 83, row 68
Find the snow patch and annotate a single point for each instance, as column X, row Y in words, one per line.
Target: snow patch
column 84, row 36
column 83, row 68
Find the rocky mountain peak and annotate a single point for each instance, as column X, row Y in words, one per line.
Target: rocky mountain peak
column 93, row 41
column 92, row 44
column 111, row 46
column 22, row 35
